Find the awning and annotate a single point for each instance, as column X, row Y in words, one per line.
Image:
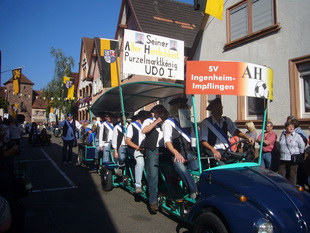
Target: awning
column 135, row 96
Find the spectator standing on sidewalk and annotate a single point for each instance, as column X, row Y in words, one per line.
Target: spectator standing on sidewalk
column 290, row 143
column 15, row 131
column 269, row 141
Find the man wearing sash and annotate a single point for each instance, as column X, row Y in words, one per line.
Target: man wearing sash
column 119, row 144
column 177, row 139
column 154, row 145
column 134, row 141
column 69, row 129
column 105, row 136
column 214, row 130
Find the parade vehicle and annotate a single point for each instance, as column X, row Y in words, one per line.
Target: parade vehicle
column 86, row 154
column 239, row 196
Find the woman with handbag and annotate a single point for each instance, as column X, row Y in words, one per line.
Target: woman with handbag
column 291, row 152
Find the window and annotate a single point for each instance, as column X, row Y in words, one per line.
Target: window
column 251, row 18
column 93, row 63
column 254, row 108
column 84, row 64
column 304, row 74
column 300, row 86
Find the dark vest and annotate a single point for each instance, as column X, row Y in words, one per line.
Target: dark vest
column 98, row 129
column 120, row 136
column 105, row 133
column 212, row 137
column 66, row 127
column 134, row 139
column 135, row 134
column 181, row 144
column 151, row 139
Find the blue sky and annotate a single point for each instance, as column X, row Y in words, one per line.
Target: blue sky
column 30, row 28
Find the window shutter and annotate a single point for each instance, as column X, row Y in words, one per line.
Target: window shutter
column 239, row 22
column 262, row 14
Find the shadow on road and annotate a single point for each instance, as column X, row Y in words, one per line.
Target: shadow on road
column 65, row 198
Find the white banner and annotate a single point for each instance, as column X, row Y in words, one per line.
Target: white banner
column 151, row 55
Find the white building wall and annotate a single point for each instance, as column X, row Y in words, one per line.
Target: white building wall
column 273, row 50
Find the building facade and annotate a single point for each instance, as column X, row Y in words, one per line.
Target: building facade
column 269, row 33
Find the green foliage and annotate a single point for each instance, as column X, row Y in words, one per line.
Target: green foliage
column 54, row 90
column 3, row 103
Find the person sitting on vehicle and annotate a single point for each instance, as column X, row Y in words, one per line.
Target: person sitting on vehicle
column 105, row 136
column 44, row 136
column 214, row 130
column 96, row 131
column 178, row 141
column 41, row 126
column 249, row 148
column 91, row 138
column 92, row 123
column 154, row 145
column 234, row 147
column 119, row 144
column 134, row 141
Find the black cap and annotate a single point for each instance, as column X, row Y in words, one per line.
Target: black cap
column 120, row 115
column 180, row 100
column 213, row 103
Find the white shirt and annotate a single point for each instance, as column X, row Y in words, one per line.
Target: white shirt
column 116, row 130
column 109, row 126
column 130, row 132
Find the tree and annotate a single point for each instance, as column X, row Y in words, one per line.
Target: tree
column 3, row 103
column 54, row 90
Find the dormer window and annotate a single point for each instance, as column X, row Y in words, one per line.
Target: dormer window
column 84, row 64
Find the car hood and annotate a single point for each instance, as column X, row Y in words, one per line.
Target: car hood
column 268, row 191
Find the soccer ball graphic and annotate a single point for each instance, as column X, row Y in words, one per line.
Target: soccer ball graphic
column 261, row 90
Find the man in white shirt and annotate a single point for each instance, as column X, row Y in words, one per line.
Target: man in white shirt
column 134, row 139
column 154, row 145
column 105, row 136
column 178, row 141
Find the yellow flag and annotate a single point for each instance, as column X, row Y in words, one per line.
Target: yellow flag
column 108, row 56
column 17, row 73
column 14, row 111
column 68, row 88
column 215, row 8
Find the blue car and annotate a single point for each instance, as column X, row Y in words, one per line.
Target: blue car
column 249, row 199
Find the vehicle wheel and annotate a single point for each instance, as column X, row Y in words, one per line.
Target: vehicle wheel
column 106, row 179
column 80, row 157
column 209, row 223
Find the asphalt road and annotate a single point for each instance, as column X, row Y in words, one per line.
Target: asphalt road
column 69, row 199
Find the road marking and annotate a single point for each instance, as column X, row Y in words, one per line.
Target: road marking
column 55, row 189
column 60, row 171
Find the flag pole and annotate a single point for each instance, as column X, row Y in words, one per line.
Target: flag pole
column 120, row 89
column 0, row 67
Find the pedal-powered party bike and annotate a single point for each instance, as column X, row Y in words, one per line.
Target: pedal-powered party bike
column 239, row 196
